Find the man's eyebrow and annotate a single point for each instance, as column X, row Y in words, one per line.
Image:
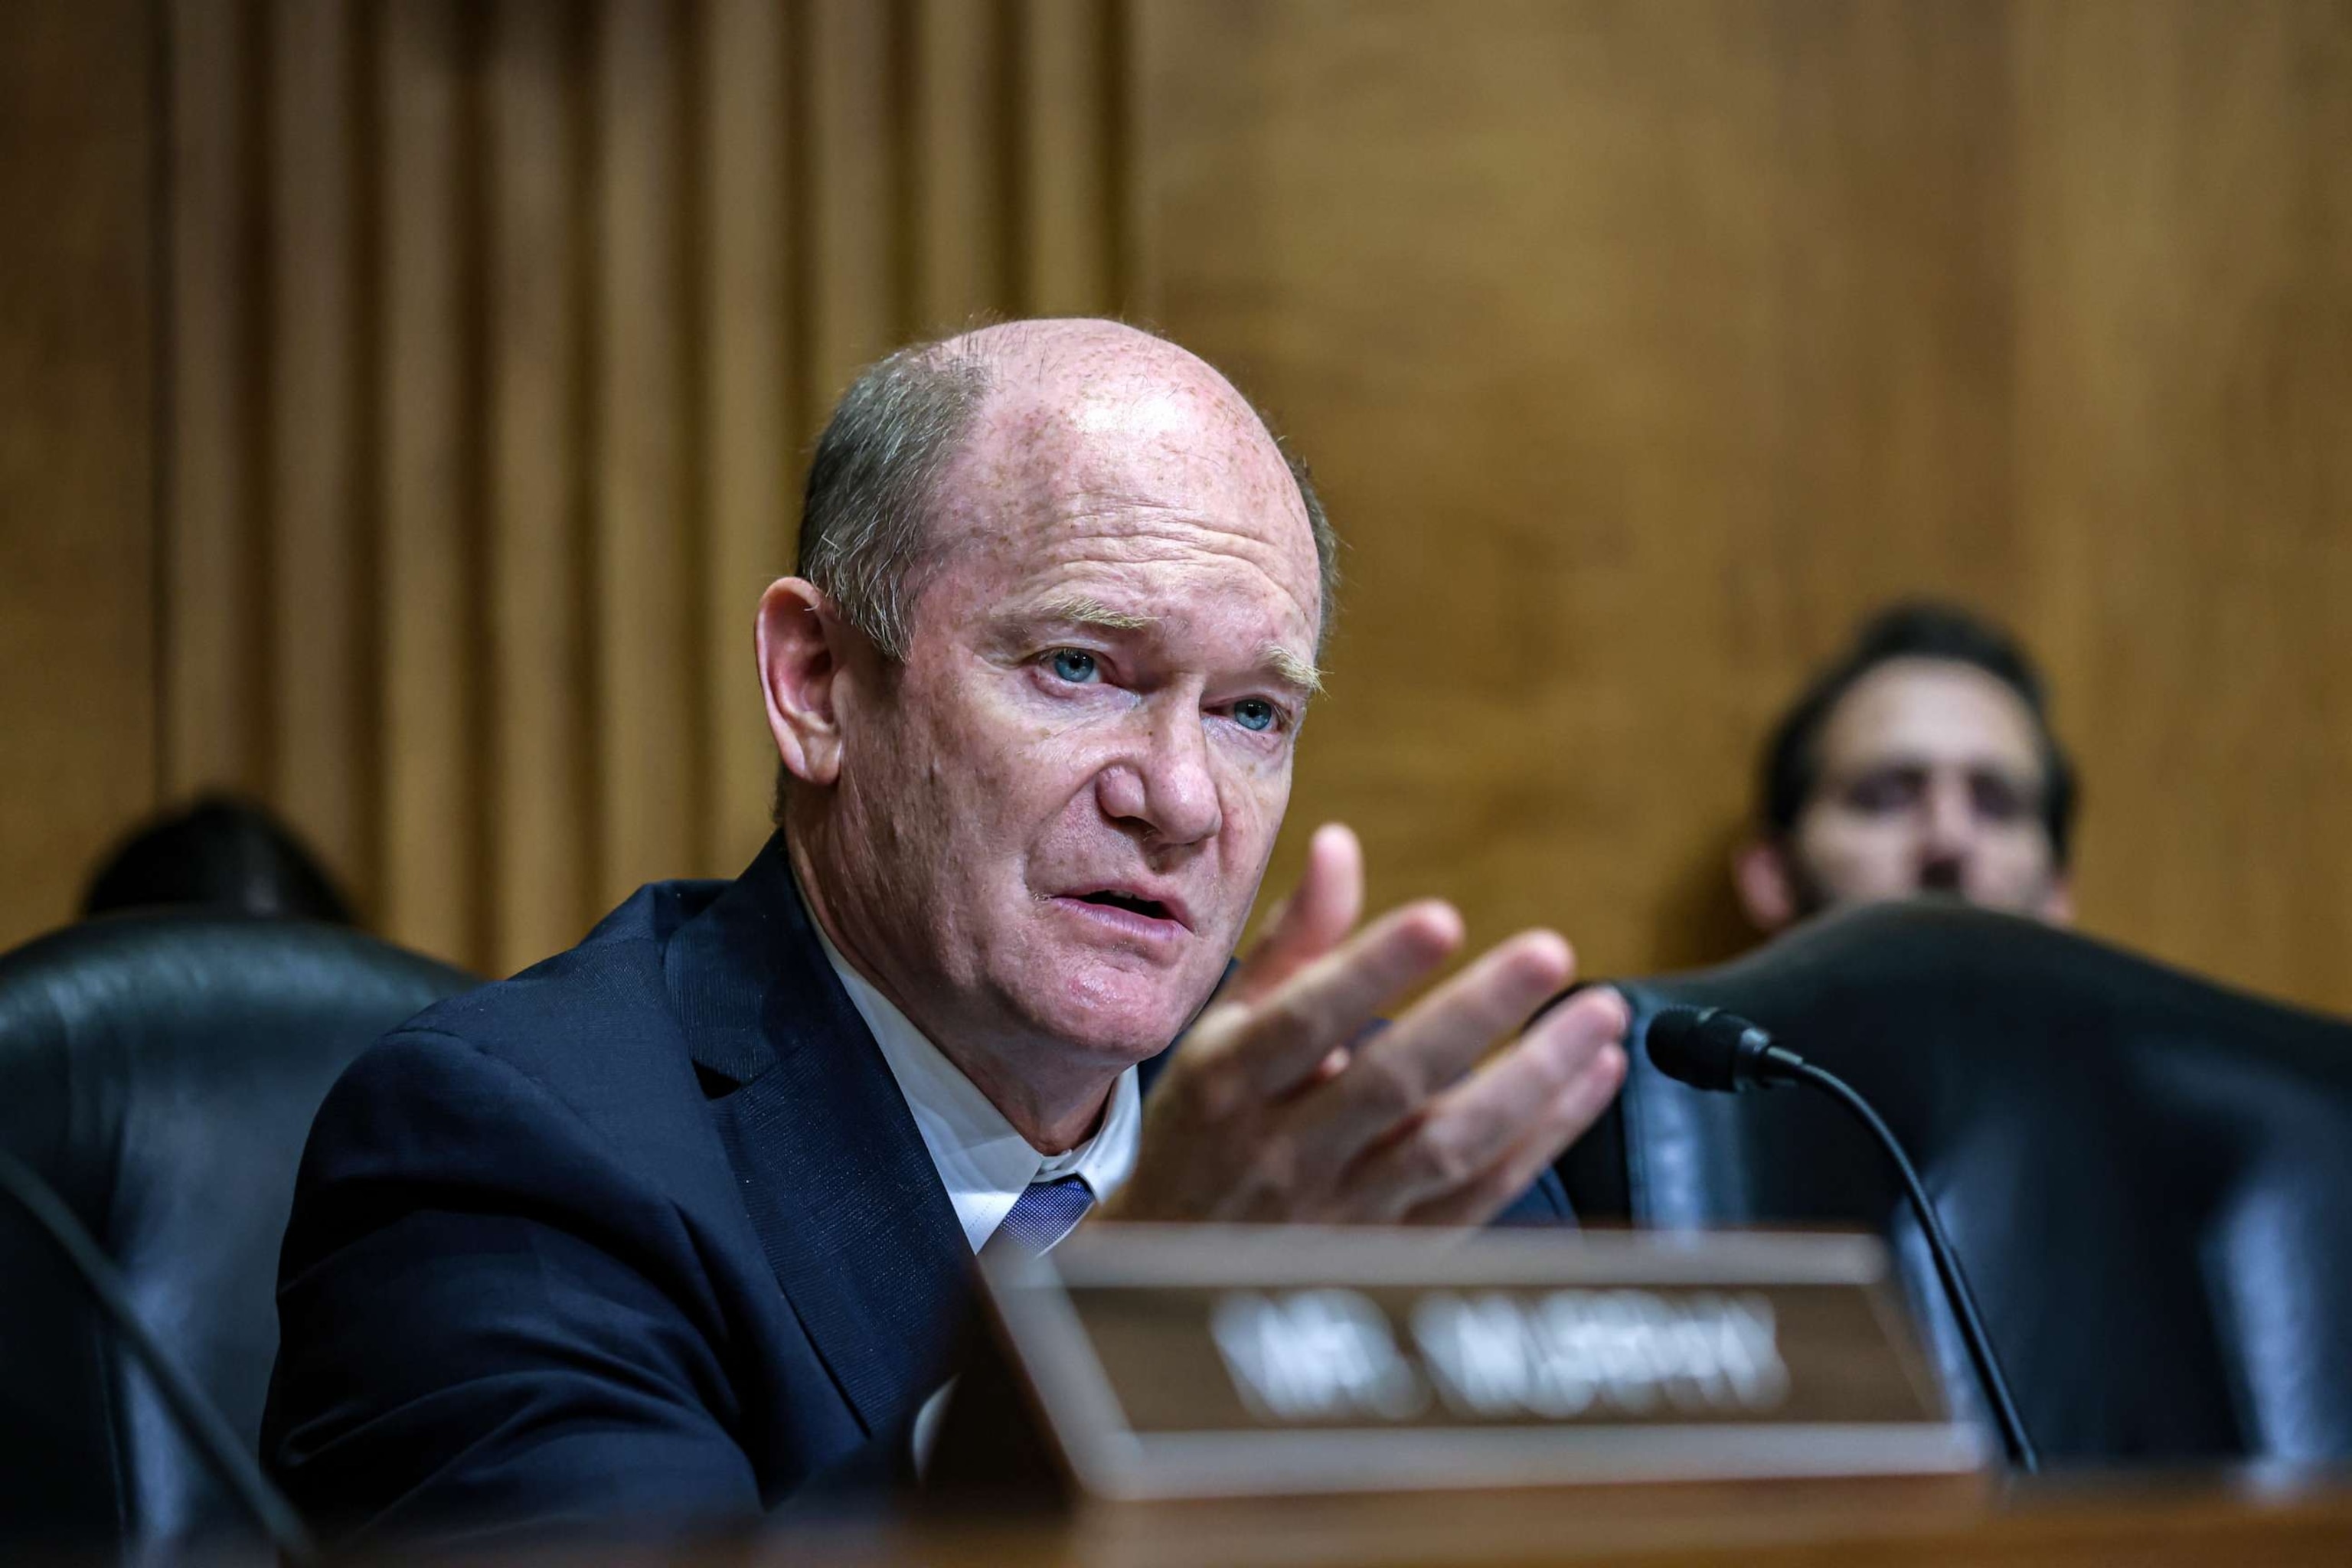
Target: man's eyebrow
column 1299, row 672
column 1086, row 611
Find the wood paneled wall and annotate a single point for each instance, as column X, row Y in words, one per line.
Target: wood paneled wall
column 500, row 332
column 78, row 319
column 1645, row 346
column 1640, row 346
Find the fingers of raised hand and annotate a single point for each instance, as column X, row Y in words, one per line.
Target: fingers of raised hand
column 1316, row 918
column 1575, row 1111
column 1396, row 1073
column 1482, row 1143
column 1279, row 1043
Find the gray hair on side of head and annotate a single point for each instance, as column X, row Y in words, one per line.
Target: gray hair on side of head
column 869, row 501
column 1326, row 541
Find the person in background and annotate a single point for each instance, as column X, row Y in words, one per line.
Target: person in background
column 220, row 853
column 1919, row 761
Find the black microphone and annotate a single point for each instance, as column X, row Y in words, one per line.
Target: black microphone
column 1709, row 1048
column 215, row 1438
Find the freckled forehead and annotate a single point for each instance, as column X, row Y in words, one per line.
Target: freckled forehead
column 1103, row 433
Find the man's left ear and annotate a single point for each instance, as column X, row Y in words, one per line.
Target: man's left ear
column 801, row 647
column 1768, row 894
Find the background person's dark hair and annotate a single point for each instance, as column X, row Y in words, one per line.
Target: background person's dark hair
column 1914, row 629
column 219, row 853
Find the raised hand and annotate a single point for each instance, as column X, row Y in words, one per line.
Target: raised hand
column 1287, row 1102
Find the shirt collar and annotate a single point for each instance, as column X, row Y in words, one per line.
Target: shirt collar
column 984, row 1164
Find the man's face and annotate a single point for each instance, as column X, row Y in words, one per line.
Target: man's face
column 1931, row 782
column 1067, row 794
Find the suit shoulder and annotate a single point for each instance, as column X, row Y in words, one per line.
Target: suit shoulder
column 609, row 988
column 589, row 1035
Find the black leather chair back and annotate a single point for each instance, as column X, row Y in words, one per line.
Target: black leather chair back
column 161, row 1072
column 2148, row 1177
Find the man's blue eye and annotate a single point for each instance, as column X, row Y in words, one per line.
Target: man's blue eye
column 1253, row 713
column 1074, row 665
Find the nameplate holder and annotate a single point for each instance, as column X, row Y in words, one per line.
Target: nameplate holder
column 1157, row 1362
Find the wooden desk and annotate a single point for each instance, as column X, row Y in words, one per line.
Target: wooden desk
column 2239, row 1519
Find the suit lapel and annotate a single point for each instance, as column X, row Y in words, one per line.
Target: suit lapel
column 839, row 1187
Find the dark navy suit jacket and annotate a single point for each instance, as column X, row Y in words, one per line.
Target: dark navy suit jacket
column 644, row 1234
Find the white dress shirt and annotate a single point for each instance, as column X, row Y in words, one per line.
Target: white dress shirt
column 983, row 1163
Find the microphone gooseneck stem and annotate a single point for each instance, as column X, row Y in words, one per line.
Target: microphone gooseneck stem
column 222, row 1450
column 1947, row 1262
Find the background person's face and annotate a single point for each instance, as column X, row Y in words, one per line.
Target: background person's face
column 1931, row 782
column 1067, row 795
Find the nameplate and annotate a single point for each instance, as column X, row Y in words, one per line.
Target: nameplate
column 1161, row 1362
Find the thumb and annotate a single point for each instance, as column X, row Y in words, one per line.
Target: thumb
column 1316, row 918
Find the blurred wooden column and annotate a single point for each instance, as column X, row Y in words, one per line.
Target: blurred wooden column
column 960, row 124
column 542, row 777
column 752, row 413
column 83, row 281
column 429, row 561
column 644, row 529
column 1068, row 94
column 854, row 298
column 319, row 629
column 212, row 612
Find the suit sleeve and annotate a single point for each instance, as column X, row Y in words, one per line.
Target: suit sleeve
column 1544, row 1204
column 486, row 1325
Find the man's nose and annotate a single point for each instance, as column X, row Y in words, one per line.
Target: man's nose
column 1948, row 832
column 1165, row 786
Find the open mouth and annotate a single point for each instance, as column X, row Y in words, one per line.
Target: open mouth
column 1151, row 909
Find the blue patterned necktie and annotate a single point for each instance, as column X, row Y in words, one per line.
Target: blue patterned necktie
column 1045, row 1212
